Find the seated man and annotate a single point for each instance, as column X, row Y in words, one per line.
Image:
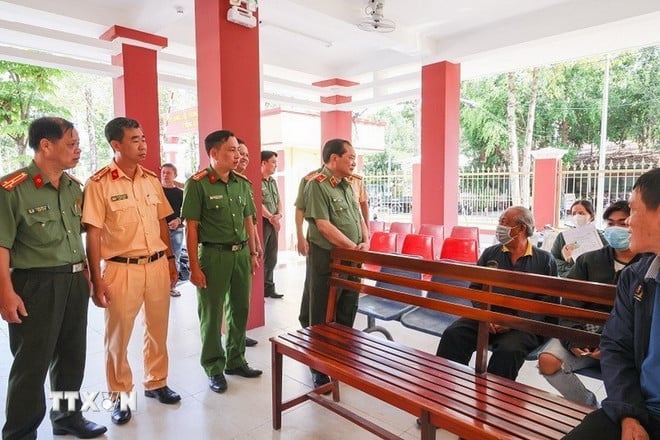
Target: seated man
column 630, row 343
column 515, row 252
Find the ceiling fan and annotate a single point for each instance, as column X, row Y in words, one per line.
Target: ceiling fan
column 374, row 21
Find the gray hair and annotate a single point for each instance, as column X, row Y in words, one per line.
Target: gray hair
column 524, row 217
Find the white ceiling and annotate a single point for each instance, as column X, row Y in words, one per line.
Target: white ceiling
column 303, row 41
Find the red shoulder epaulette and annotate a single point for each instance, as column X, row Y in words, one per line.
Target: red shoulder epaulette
column 73, row 178
column 243, row 177
column 356, row 176
column 320, row 177
column 148, row 171
column 100, row 173
column 14, row 180
column 199, row 175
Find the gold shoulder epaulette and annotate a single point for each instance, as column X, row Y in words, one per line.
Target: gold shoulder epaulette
column 148, row 171
column 243, row 177
column 70, row 176
column 14, row 180
column 199, row 175
column 356, row 176
column 320, row 177
column 100, row 173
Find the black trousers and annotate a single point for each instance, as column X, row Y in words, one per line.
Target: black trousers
column 598, row 426
column 319, row 274
column 510, row 348
column 270, row 256
column 51, row 338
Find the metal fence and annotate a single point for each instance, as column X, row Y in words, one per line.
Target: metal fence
column 485, row 192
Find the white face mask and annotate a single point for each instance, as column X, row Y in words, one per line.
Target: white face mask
column 580, row 219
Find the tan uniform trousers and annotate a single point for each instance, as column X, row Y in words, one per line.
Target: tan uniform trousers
column 130, row 287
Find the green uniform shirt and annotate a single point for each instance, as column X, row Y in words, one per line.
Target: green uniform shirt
column 330, row 199
column 270, row 195
column 40, row 224
column 220, row 208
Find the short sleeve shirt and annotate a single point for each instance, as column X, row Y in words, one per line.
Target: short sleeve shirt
column 328, row 198
column 270, row 195
column 128, row 211
column 220, row 208
column 40, row 223
column 357, row 183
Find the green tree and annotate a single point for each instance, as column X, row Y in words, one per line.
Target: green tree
column 26, row 92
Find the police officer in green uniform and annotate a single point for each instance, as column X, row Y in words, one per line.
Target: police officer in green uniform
column 271, row 209
column 44, row 297
column 334, row 221
column 218, row 208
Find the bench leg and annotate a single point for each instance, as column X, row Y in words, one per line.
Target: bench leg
column 372, row 327
column 276, row 362
column 428, row 430
column 335, row 390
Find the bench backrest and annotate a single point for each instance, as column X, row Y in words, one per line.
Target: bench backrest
column 541, row 295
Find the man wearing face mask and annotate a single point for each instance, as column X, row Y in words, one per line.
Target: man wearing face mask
column 560, row 359
column 515, row 252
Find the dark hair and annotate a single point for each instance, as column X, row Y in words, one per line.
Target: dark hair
column 648, row 185
column 334, row 146
column 619, row 205
column 215, row 138
column 240, row 141
column 114, row 130
column 48, row 127
column 267, row 154
column 586, row 204
column 169, row 165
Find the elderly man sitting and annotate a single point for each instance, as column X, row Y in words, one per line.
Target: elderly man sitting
column 514, row 252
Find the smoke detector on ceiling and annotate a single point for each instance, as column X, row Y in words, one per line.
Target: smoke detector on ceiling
column 374, row 21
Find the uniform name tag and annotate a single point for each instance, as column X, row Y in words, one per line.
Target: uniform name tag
column 119, row 197
column 215, row 197
column 43, row 208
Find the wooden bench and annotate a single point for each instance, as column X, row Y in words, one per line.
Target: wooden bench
column 468, row 402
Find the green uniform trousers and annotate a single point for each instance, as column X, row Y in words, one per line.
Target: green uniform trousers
column 303, row 317
column 228, row 283
column 319, row 272
column 270, row 257
column 52, row 337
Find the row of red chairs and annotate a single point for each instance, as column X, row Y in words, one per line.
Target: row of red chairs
column 453, row 248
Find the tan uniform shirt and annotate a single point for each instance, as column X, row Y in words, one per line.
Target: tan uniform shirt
column 126, row 210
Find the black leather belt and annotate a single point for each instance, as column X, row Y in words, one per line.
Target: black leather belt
column 138, row 260
column 233, row 247
column 66, row 268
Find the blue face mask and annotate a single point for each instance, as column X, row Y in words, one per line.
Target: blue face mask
column 618, row 237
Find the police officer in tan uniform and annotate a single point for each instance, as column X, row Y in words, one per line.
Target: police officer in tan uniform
column 125, row 212
column 44, row 297
column 334, row 221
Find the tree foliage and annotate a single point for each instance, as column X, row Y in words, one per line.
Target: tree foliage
column 26, row 92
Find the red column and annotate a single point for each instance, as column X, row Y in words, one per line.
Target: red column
column 336, row 124
column 441, row 89
column 228, row 97
column 136, row 91
column 546, row 203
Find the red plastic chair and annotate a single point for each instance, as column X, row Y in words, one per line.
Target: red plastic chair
column 401, row 229
column 376, row 226
column 381, row 242
column 464, row 250
column 416, row 244
column 438, row 234
column 470, row 232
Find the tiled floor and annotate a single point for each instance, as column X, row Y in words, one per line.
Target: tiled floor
column 244, row 411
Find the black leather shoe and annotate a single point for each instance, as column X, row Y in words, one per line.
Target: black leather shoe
column 164, row 395
column 245, row 371
column 274, row 295
column 118, row 416
column 218, row 383
column 319, row 379
column 249, row 342
column 79, row 427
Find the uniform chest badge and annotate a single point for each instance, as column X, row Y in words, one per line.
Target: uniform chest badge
column 119, row 197
column 216, row 197
column 38, row 209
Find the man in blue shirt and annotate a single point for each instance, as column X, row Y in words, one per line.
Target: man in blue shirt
column 630, row 343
